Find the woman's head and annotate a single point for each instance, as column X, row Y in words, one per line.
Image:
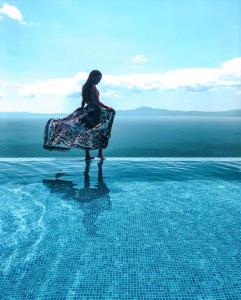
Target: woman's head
column 93, row 79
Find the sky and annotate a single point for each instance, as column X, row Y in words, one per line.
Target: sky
column 170, row 54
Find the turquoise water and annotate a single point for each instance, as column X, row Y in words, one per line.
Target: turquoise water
column 135, row 136
column 128, row 229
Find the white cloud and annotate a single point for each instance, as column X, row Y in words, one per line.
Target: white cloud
column 53, row 95
column 137, row 60
column 228, row 75
column 111, row 94
column 56, row 86
column 13, row 13
column 1, row 95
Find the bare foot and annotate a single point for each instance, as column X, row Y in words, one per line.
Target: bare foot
column 101, row 156
column 89, row 157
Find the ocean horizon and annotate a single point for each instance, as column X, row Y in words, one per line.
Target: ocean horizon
column 136, row 136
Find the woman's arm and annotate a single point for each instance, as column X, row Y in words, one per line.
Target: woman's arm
column 102, row 104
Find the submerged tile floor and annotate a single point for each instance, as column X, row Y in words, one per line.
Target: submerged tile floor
column 127, row 229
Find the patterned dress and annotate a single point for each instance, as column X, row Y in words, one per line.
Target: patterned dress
column 85, row 128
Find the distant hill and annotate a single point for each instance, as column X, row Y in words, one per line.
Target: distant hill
column 141, row 112
column 149, row 111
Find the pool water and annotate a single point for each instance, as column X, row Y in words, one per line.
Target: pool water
column 122, row 229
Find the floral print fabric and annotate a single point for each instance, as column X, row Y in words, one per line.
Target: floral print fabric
column 87, row 128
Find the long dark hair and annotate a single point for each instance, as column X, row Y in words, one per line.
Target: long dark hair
column 86, row 89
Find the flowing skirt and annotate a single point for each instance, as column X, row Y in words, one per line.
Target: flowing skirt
column 87, row 128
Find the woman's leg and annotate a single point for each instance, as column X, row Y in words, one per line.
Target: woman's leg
column 87, row 155
column 100, row 154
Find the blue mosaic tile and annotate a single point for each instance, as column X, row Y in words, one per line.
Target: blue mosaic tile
column 123, row 230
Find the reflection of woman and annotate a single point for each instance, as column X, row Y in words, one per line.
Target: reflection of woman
column 88, row 127
column 93, row 208
column 92, row 201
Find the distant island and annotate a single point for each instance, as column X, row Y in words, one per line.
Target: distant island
column 140, row 112
column 149, row 111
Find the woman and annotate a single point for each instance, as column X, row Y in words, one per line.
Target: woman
column 88, row 127
column 90, row 96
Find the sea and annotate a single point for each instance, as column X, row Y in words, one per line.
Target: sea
column 133, row 137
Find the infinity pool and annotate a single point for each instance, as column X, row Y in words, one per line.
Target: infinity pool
column 124, row 229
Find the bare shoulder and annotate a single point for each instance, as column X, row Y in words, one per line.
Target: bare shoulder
column 94, row 92
column 95, row 88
